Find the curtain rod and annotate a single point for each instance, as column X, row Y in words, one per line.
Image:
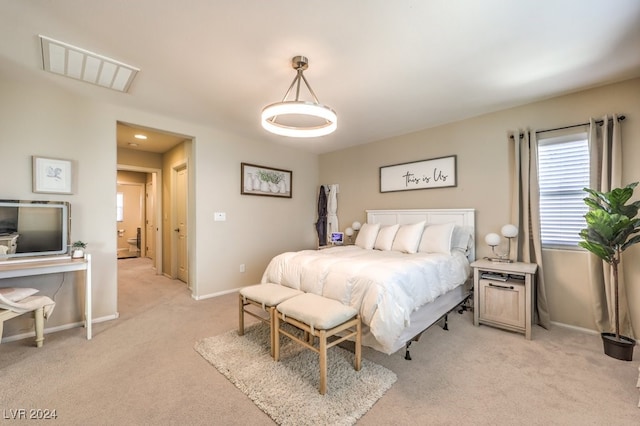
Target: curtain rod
column 600, row 122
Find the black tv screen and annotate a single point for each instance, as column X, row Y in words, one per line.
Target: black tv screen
column 34, row 228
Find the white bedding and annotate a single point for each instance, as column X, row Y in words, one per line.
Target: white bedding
column 384, row 286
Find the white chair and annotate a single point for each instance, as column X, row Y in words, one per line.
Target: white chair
column 13, row 304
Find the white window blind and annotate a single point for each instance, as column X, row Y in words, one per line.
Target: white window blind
column 563, row 172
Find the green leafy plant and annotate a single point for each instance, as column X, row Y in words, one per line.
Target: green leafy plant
column 273, row 177
column 611, row 225
column 77, row 245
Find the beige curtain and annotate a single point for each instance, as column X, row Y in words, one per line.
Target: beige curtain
column 525, row 211
column 605, row 151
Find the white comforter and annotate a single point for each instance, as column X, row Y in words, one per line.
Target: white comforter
column 385, row 286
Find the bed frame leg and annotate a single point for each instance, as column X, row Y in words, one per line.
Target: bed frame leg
column 445, row 326
column 464, row 305
column 407, row 355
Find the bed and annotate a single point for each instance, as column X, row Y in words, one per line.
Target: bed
column 406, row 270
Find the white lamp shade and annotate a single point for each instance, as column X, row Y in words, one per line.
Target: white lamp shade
column 492, row 239
column 356, row 225
column 348, row 232
column 510, row 231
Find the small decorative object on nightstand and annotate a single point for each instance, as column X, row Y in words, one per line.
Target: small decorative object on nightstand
column 503, row 294
column 352, row 231
column 493, row 240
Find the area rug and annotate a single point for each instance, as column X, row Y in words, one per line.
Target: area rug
column 288, row 390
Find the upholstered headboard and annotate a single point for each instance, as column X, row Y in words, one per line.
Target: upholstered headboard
column 465, row 218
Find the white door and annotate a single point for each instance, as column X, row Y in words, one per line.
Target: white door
column 150, row 221
column 181, row 220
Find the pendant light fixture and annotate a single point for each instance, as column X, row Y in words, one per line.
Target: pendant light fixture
column 297, row 118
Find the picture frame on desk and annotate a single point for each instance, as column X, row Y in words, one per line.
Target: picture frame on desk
column 52, row 175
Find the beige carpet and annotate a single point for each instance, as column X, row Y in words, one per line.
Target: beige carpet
column 288, row 390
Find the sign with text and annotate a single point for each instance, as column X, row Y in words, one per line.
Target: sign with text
column 425, row 174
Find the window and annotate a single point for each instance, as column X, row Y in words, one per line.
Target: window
column 119, row 207
column 563, row 172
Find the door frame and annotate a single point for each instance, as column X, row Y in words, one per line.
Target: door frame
column 158, row 195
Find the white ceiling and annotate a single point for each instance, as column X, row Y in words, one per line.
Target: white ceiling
column 386, row 67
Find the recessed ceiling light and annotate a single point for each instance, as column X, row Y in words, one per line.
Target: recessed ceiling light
column 74, row 62
column 139, row 136
column 132, row 144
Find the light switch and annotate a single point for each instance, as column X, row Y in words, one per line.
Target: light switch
column 219, row 216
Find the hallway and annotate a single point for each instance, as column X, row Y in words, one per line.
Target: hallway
column 140, row 289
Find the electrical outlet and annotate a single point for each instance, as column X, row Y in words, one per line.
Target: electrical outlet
column 219, row 216
column 242, row 268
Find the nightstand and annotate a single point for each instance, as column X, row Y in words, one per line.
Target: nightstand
column 503, row 295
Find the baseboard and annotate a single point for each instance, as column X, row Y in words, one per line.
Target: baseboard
column 580, row 329
column 47, row 330
column 576, row 328
column 211, row 295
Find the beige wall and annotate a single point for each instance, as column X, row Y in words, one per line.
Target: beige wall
column 131, row 157
column 46, row 121
column 40, row 119
column 481, row 147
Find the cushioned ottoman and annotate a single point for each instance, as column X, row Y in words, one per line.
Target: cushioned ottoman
column 318, row 317
column 264, row 296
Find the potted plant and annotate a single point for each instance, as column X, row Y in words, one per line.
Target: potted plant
column 77, row 249
column 611, row 225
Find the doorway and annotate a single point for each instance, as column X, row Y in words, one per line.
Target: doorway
column 147, row 196
column 163, row 156
column 129, row 214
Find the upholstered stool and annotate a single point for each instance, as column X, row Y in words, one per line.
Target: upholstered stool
column 318, row 317
column 265, row 296
column 18, row 301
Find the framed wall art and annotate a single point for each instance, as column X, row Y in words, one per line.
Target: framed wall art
column 424, row 174
column 266, row 181
column 52, row 175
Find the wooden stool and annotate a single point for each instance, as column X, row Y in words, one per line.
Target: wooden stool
column 265, row 296
column 318, row 317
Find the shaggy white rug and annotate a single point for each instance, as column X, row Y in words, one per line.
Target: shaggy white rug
column 288, row 390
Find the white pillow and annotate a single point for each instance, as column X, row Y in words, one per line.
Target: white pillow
column 17, row 294
column 385, row 237
column 367, row 235
column 437, row 238
column 460, row 239
column 408, row 237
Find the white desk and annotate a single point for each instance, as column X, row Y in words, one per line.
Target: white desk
column 22, row 268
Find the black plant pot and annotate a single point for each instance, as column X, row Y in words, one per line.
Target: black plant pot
column 618, row 348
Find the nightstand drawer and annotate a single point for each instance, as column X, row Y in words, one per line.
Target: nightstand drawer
column 502, row 302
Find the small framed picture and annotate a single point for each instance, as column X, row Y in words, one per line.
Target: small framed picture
column 269, row 181
column 52, row 176
column 337, row 238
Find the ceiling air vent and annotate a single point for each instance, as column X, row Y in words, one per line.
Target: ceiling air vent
column 74, row 62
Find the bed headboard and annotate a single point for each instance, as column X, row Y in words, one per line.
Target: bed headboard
column 462, row 217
